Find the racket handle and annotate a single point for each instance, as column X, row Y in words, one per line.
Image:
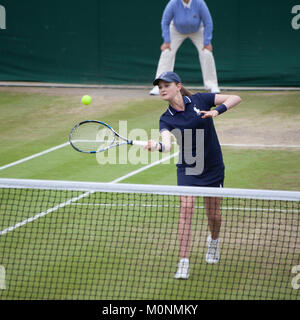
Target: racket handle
column 139, row 143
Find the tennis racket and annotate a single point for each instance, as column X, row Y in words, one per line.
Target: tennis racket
column 92, row 136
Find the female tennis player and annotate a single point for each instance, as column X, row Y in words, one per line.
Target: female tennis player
column 188, row 118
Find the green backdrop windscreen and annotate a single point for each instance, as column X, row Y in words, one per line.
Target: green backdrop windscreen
column 256, row 43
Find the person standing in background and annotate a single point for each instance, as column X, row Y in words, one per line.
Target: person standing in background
column 188, row 19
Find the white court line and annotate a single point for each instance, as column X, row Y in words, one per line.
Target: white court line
column 245, row 145
column 222, row 144
column 34, row 156
column 240, row 209
column 41, row 214
column 63, row 204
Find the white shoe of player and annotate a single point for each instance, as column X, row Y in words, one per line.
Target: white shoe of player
column 154, row 91
column 183, row 269
column 213, row 252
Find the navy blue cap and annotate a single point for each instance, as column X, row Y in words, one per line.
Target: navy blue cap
column 169, row 76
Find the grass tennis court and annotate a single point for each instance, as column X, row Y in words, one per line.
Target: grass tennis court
column 118, row 246
column 34, row 122
column 38, row 120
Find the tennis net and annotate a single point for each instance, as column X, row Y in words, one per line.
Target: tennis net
column 77, row 240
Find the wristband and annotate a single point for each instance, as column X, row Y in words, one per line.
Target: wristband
column 161, row 149
column 221, row 108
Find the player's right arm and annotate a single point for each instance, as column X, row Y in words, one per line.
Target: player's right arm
column 166, row 140
column 164, row 146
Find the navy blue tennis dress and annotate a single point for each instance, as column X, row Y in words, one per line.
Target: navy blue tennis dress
column 191, row 132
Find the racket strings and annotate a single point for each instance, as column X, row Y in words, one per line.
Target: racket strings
column 92, row 136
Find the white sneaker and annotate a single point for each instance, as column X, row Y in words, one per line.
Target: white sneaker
column 213, row 253
column 154, row 91
column 183, row 269
column 215, row 90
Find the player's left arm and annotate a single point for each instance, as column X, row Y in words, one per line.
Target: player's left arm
column 224, row 102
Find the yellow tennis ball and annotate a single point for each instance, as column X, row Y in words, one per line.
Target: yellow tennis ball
column 86, row 100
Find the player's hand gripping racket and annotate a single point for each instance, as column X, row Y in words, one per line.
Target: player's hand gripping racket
column 93, row 136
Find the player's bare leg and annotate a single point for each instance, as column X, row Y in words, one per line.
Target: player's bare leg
column 185, row 235
column 212, row 208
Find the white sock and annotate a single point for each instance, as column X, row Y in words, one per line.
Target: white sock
column 185, row 261
column 214, row 240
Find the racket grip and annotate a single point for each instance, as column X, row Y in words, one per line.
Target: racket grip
column 139, row 142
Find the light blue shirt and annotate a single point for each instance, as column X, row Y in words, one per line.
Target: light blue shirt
column 187, row 20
